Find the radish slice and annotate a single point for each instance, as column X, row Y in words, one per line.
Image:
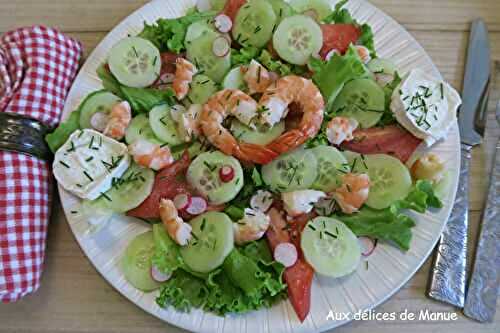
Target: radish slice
column 221, row 46
column 99, row 120
column 198, row 205
column 312, row 13
column 182, row 201
column 286, row 254
column 367, row 245
column 226, row 173
column 223, row 23
column 203, row 5
column 159, row 276
column 363, row 53
column 330, row 54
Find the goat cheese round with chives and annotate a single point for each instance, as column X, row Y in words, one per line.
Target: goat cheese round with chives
column 425, row 106
column 87, row 163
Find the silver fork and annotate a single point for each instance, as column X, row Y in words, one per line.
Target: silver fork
column 480, row 303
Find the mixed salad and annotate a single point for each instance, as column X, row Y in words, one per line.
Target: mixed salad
column 264, row 141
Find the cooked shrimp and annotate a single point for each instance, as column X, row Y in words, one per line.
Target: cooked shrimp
column 118, row 120
column 340, row 129
column 251, row 227
column 177, row 229
column 257, row 78
column 150, row 155
column 184, row 72
column 353, row 192
column 188, row 123
column 232, row 102
column 429, row 167
column 275, row 101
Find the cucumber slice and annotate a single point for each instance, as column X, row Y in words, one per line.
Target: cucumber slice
column 196, row 29
column 136, row 262
column 330, row 247
column 296, row 170
column 234, row 80
column 217, row 5
column 99, row 101
column 331, row 166
column 281, row 9
column 129, row 191
column 194, row 148
column 382, row 66
column 202, row 88
column 203, row 175
column 443, row 186
column 297, row 38
column 259, row 136
column 321, row 7
column 213, row 243
column 254, row 24
column 135, row 62
column 390, row 180
column 139, row 128
column 163, row 126
column 199, row 52
column 363, row 100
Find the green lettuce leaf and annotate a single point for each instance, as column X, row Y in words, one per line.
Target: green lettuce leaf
column 388, row 225
column 167, row 257
column 248, row 280
column 61, row 134
column 278, row 66
column 420, row 198
column 183, row 291
column 140, row 99
column 331, row 76
column 243, row 56
column 388, row 117
column 391, row 224
column 168, row 34
column 109, row 82
column 144, row 99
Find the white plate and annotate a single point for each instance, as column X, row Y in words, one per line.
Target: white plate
column 389, row 268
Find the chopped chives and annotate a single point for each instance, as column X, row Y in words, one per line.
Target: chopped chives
column 88, row 176
column 64, row 163
column 105, row 196
column 89, row 159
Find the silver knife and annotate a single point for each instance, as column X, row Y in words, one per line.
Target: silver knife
column 448, row 273
column 480, row 303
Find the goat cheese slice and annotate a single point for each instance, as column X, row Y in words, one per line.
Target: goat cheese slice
column 87, row 163
column 425, row 106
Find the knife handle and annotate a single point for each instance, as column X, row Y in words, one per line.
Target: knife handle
column 480, row 303
column 447, row 282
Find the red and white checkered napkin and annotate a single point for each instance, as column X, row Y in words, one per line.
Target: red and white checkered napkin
column 37, row 67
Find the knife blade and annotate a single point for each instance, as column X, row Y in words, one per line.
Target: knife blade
column 448, row 272
column 480, row 303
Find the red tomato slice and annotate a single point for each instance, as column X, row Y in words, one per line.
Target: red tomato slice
column 231, row 8
column 393, row 140
column 339, row 37
column 299, row 280
column 298, row 277
column 168, row 183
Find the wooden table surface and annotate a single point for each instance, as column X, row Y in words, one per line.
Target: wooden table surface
column 73, row 296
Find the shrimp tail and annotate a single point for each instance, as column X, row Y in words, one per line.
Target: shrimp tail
column 287, row 141
column 254, row 153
